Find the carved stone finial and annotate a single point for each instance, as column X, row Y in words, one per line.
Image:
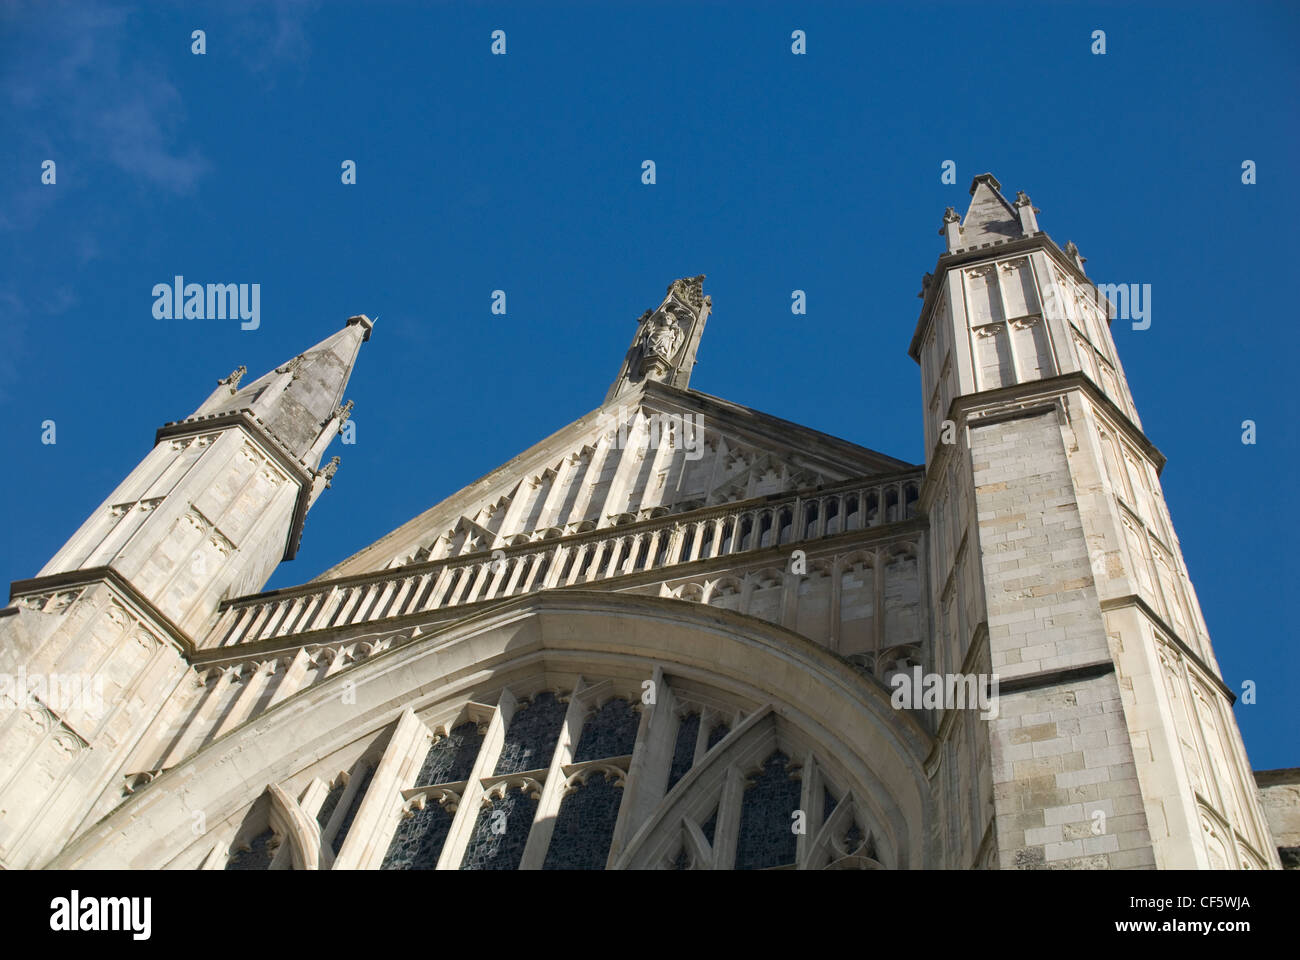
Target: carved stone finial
column 233, row 379
column 689, row 290
column 925, row 285
column 950, row 216
column 1072, row 252
column 292, row 366
column 343, row 413
column 1026, row 210
column 950, row 230
column 667, row 337
column 329, row 470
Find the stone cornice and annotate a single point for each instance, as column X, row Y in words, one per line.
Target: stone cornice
column 91, row 575
column 1133, row 600
column 772, row 428
column 1046, row 390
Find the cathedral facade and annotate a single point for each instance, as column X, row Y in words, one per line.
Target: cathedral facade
column 676, row 634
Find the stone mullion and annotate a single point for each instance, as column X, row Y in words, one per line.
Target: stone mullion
column 376, row 594
column 652, row 758
column 594, row 566
column 790, row 597
column 674, row 545
column 737, row 524
column 836, row 592
column 652, row 552
column 439, row 588
column 707, row 719
column 276, row 620
column 716, row 545
column 395, row 608
column 313, row 797
column 812, row 811
column 462, row 825
column 727, row 831
column 539, row 561
column 517, row 571
column 496, row 577
column 697, row 541
column 820, row 530
column 355, row 775
column 309, row 611
column 417, row 593
column 381, row 808
column 634, row 552
column 556, row 568
column 462, row 588
column 879, row 563
column 579, row 559
column 548, row 806
column 615, row 555
column 345, row 609
column 294, row 612
column 326, row 611
column 259, row 621
column 226, row 630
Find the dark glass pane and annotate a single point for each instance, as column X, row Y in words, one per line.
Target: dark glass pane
column 766, row 837
column 609, row 732
column 419, row 839
column 257, row 857
column 585, row 826
column 688, row 731
column 501, row 833
column 719, row 731
column 451, row 759
column 530, row 738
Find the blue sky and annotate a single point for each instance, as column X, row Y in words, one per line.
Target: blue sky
column 774, row 172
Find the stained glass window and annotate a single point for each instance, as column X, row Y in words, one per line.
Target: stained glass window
column 766, row 837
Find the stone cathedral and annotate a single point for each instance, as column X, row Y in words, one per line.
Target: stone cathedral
column 667, row 636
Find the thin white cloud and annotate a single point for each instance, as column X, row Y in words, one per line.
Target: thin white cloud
column 73, row 92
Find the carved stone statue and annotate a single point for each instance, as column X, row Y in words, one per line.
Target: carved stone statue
column 663, row 335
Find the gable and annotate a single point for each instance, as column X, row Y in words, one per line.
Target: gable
column 653, row 452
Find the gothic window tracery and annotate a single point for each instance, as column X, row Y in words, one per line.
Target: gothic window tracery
column 550, row 794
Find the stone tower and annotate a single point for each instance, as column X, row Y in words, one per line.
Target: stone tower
column 101, row 637
column 1054, row 563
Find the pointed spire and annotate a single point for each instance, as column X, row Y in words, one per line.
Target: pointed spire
column 989, row 217
column 298, row 402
